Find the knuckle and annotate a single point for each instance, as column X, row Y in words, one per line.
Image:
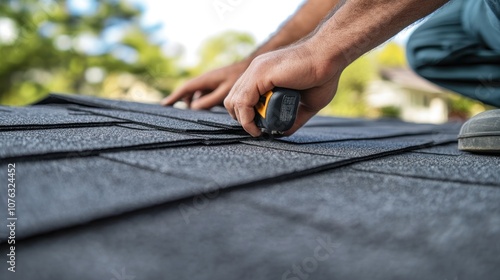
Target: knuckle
column 241, row 104
column 227, row 102
column 261, row 62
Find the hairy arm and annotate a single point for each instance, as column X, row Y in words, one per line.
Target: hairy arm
column 314, row 65
column 211, row 88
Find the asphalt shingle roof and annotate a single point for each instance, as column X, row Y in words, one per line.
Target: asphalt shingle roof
column 119, row 190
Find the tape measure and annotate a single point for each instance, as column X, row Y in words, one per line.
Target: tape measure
column 277, row 110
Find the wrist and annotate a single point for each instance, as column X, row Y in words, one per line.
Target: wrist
column 244, row 63
column 328, row 58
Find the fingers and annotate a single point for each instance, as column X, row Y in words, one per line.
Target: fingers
column 187, row 90
column 183, row 92
column 245, row 116
column 240, row 106
column 212, row 99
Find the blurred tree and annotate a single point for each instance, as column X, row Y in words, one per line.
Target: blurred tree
column 391, row 54
column 54, row 45
column 390, row 112
column 224, row 49
column 461, row 108
column 350, row 98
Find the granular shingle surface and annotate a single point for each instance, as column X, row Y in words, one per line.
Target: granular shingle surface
column 37, row 142
column 159, row 122
column 47, row 117
column 204, row 117
column 109, row 189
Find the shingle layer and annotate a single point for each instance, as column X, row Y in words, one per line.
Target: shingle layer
column 118, row 190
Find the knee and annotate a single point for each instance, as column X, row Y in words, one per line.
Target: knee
column 419, row 51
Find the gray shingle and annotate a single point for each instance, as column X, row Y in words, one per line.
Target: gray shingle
column 449, row 149
column 248, row 210
column 84, row 141
column 225, row 165
column 330, row 134
column 470, row 168
column 160, row 122
column 349, row 149
column 381, row 227
column 203, row 117
column 55, row 194
column 48, row 116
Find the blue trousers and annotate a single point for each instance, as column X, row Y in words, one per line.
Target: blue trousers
column 458, row 48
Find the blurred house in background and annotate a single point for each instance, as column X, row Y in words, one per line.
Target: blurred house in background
column 399, row 92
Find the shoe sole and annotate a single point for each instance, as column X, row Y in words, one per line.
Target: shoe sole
column 480, row 143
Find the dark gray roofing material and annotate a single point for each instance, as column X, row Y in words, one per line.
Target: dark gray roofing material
column 330, row 134
column 72, row 191
column 472, row 169
column 132, row 199
column 158, row 122
column 84, row 140
column 203, row 117
column 47, row 117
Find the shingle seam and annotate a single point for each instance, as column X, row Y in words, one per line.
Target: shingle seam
column 60, row 126
column 329, row 166
column 345, row 124
column 201, row 140
column 441, row 143
column 234, row 128
column 190, row 131
column 329, row 227
column 288, row 176
column 211, row 142
column 427, row 178
column 95, row 152
column 124, row 125
column 257, row 143
column 148, row 168
column 96, row 105
column 359, row 138
column 435, row 154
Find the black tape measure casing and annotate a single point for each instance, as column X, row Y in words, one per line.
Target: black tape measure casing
column 277, row 110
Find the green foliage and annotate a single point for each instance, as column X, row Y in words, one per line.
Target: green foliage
column 390, row 112
column 463, row 107
column 390, row 55
column 53, row 50
column 349, row 100
column 224, row 49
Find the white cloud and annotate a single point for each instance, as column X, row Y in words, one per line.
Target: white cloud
column 190, row 22
column 8, row 31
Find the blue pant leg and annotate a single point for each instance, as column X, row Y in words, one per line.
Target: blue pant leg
column 451, row 50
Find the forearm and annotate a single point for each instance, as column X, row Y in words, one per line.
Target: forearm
column 360, row 25
column 303, row 22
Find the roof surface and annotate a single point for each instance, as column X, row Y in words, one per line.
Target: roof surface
column 109, row 189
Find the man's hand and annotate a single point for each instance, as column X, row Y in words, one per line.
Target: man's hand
column 297, row 67
column 314, row 65
column 209, row 89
